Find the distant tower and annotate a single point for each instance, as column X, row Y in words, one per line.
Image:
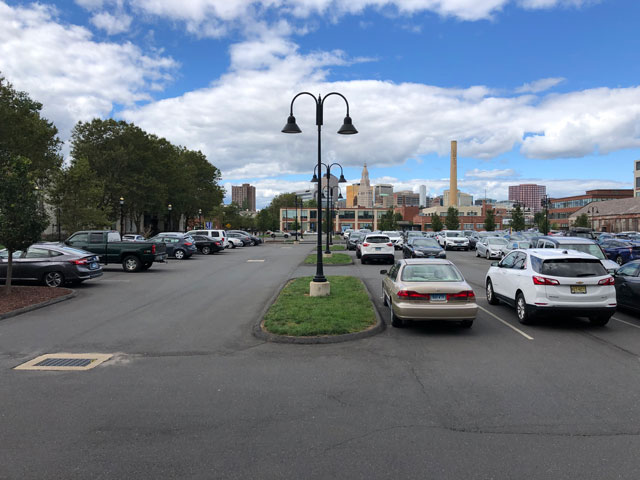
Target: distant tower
column 365, row 192
column 453, row 177
column 423, row 195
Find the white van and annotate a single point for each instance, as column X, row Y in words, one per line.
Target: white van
column 220, row 235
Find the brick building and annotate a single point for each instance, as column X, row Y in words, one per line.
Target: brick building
column 615, row 216
column 563, row 208
column 244, row 196
column 528, row 195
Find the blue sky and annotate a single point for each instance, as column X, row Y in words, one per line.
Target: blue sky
column 542, row 91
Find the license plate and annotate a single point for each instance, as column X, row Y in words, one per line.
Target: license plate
column 578, row 289
column 93, row 266
column 438, row 297
column 378, row 248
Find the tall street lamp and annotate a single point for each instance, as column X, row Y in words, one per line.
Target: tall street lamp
column 169, row 207
column 347, row 128
column 545, row 203
column 329, row 192
column 200, row 217
column 121, row 215
column 330, row 213
column 592, row 209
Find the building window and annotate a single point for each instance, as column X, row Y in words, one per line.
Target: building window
column 637, row 164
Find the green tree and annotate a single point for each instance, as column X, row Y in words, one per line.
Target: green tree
column 22, row 216
column 543, row 223
column 490, row 220
column 313, row 203
column 582, row 221
column 436, row 222
column 389, row 220
column 517, row 219
column 452, row 220
column 23, row 132
column 266, row 221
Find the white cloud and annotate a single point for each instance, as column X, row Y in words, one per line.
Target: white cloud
column 496, row 173
column 540, row 85
column 112, row 24
column 75, row 77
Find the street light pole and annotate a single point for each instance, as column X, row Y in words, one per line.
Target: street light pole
column 200, row 217
column 121, row 216
column 169, row 207
column 545, row 203
column 593, row 209
column 346, row 129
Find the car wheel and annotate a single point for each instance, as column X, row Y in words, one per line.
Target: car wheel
column 466, row 323
column 206, row 250
column 395, row 321
column 524, row 316
column 53, row 279
column 384, row 299
column 252, row 243
column 363, row 260
column 491, row 295
column 233, row 245
column 477, row 253
column 179, row 254
column 487, row 255
column 131, row 263
column 619, row 260
column 599, row 320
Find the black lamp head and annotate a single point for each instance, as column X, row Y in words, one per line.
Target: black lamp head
column 340, row 197
column 342, row 179
column 315, row 178
column 291, row 126
column 347, row 127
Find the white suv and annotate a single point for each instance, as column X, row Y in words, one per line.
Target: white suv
column 220, row 235
column 450, row 239
column 538, row 281
column 377, row 246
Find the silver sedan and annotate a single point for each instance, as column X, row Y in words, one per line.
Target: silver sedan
column 491, row 247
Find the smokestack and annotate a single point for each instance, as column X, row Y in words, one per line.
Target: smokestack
column 453, row 176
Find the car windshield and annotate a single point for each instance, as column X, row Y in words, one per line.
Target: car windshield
column 523, row 244
column 590, row 248
column 496, row 241
column 392, row 234
column 425, row 242
column 453, row 234
column 379, row 239
column 431, row 273
column 573, row 267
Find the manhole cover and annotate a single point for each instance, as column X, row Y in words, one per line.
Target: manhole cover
column 65, row 361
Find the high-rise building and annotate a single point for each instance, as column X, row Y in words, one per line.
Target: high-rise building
column 464, row 199
column 636, row 179
column 352, row 195
column 423, row 195
column 406, row 198
column 365, row 192
column 453, row 178
column 383, row 195
column 528, row 195
column 244, row 196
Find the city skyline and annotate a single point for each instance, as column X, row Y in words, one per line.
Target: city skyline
column 523, row 107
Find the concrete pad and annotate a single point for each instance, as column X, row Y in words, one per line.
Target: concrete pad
column 319, row 289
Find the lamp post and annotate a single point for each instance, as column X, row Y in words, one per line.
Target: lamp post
column 169, row 207
column 592, row 209
column 298, row 202
column 545, row 203
column 347, row 128
column 121, row 216
column 200, row 217
column 329, row 195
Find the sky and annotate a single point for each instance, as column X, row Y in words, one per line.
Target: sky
column 534, row 91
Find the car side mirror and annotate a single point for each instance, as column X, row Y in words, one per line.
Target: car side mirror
column 67, row 242
column 383, row 272
column 496, row 264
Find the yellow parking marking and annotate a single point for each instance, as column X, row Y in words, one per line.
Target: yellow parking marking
column 255, row 261
column 506, row 323
column 626, row 323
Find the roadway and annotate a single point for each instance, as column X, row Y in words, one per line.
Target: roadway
column 192, row 394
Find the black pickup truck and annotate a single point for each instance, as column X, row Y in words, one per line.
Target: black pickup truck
column 134, row 256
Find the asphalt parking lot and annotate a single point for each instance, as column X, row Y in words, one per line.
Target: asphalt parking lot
column 191, row 393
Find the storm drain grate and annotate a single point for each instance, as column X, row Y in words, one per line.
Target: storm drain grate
column 65, row 361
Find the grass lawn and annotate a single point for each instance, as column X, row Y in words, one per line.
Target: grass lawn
column 335, row 259
column 347, row 310
column 337, row 247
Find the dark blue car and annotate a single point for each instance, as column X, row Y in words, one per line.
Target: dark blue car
column 621, row 251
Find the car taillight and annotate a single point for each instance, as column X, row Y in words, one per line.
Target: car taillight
column 218, row 243
column 464, row 295
column 80, row 261
column 537, row 280
column 389, row 244
column 153, row 248
column 412, row 294
column 188, row 244
column 365, row 244
column 607, row 281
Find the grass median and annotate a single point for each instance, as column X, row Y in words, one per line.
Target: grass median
column 335, row 259
column 347, row 310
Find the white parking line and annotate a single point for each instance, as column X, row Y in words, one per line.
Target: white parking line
column 626, row 323
column 506, row 323
column 255, row 261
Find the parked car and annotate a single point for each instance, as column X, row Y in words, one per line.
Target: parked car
column 52, row 265
column 423, row 248
column 234, row 242
column 376, row 246
column 428, row 289
column 207, row 245
column 129, row 237
column 628, row 285
column 277, row 233
column 215, row 233
column 254, row 239
column 546, row 281
column 453, row 239
column 179, row 245
column 621, row 251
column 579, row 244
column 396, row 239
column 346, row 233
column 353, row 240
column 490, row 247
column 514, row 245
column 245, row 239
column 475, row 237
column 134, row 256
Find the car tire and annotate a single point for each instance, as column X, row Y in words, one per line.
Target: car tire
column 395, row 321
column 619, row 260
column 488, row 255
column 131, row 264
column 53, row 279
column 206, row 250
column 491, row 294
column 179, row 254
column 384, row 299
column 477, row 253
column 599, row 320
column 466, row 323
column 252, row 243
column 363, row 260
column 524, row 317
column 233, row 245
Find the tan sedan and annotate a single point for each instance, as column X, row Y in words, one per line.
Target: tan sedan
column 428, row 289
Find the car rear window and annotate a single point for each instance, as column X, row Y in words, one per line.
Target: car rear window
column 425, row 242
column 497, row 241
column 590, row 248
column 377, row 239
column 572, row 267
column 431, row 273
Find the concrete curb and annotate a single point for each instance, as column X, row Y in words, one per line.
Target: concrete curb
column 261, row 333
column 30, row 308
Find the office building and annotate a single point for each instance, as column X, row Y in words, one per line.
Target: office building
column 244, row 196
column 383, row 195
column 528, row 195
column 352, row 195
column 422, row 191
column 406, row 198
column 636, row 179
column 562, row 208
column 365, row 191
column 464, row 199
